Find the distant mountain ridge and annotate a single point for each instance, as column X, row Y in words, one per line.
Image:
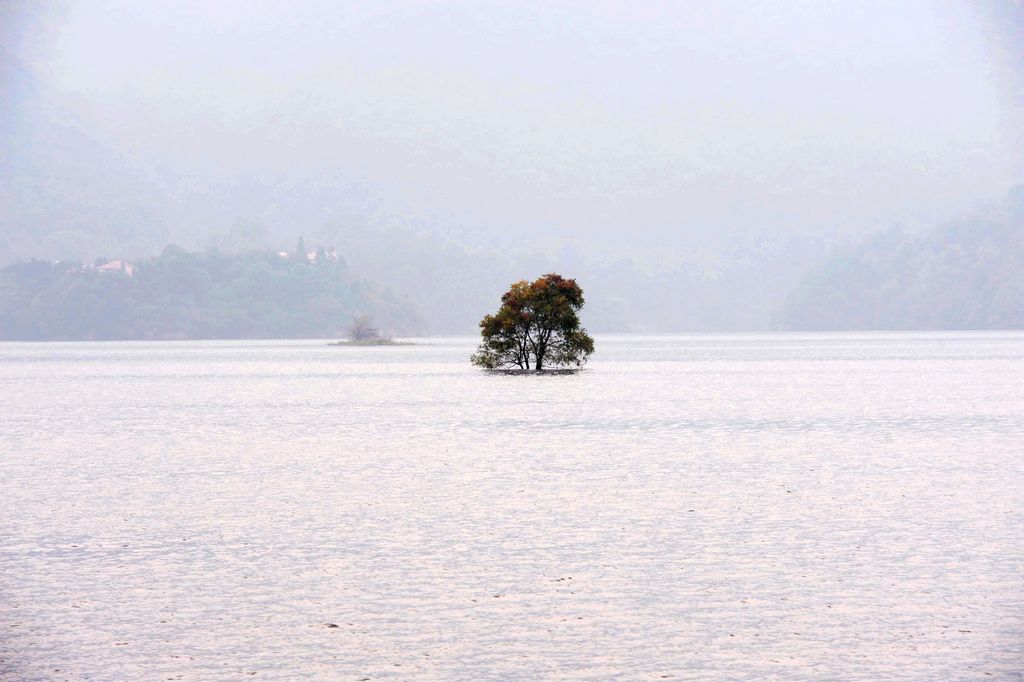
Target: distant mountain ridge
column 964, row 276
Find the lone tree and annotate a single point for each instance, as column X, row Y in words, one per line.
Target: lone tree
column 361, row 329
column 537, row 324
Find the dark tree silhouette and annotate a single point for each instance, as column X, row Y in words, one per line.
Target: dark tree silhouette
column 361, row 329
column 537, row 325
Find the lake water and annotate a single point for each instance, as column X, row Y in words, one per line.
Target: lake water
column 744, row 507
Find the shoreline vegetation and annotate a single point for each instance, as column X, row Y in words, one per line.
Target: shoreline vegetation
column 362, row 332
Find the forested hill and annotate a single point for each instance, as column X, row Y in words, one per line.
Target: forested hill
column 968, row 276
column 182, row 295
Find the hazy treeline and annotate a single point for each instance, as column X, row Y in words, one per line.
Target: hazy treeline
column 969, row 275
column 187, row 295
column 452, row 285
column 964, row 276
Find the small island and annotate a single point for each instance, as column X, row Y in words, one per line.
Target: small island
column 362, row 332
column 371, row 342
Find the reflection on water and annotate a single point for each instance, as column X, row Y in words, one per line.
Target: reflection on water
column 703, row 507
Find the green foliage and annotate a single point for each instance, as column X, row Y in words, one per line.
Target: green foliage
column 538, row 324
column 180, row 295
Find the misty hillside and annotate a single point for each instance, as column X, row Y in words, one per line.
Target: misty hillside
column 69, row 196
column 183, row 295
column 66, row 194
column 453, row 285
column 688, row 179
column 965, row 276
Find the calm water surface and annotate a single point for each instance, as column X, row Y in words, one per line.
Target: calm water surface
column 738, row 507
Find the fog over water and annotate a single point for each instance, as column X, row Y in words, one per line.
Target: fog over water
column 661, row 151
column 654, row 126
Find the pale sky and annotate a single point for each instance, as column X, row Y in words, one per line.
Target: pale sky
column 644, row 126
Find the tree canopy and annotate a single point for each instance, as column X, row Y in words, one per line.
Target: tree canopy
column 361, row 329
column 537, row 324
